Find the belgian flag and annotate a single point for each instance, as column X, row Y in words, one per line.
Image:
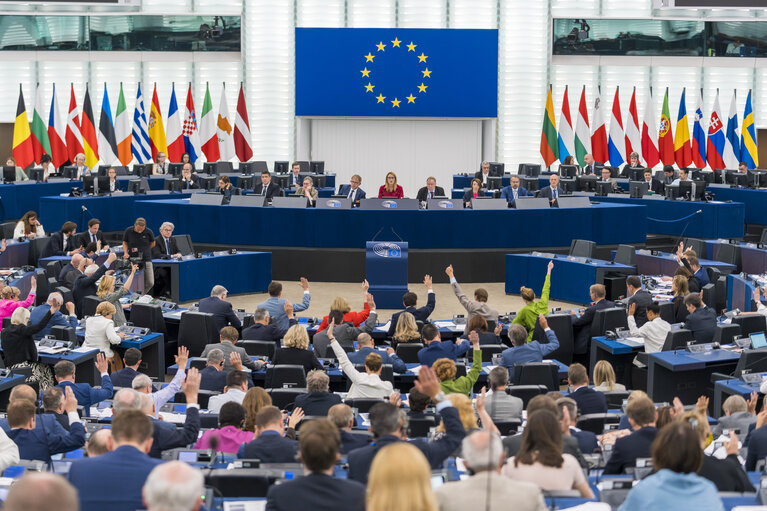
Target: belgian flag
column 23, row 152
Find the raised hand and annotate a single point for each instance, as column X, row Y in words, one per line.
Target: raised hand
column 543, row 321
column 235, row 361
column 304, row 284
column 191, row 385
column 395, row 398
column 427, row 281
column 550, row 267
column 498, row 329
column 295, row 417
column 182, row 357
column 365, row 286
column 427, row 382
column 632, row 309
column 101, row 363
column 449, row 271
column 70, row 401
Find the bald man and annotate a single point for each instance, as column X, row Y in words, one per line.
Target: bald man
column 41, row 491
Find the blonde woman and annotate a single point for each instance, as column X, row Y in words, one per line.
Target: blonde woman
column 341, row 304
column 106, row 292
column 400, row 478
column 10, row 299
column 100, row 334
column 680, row 287
column 604, row 378
column 255, row 399
column 406, row 330
column 296, row 350
column 391, row 190
column 19, row 349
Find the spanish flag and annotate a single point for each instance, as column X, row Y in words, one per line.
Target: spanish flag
column 88, row 130
column 549, row 142
column 156, row 130
column 22, row 136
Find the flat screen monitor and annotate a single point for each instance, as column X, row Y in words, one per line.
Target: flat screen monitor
column 9, row 174
column 88, row 183
column 210, row 167
column 174, row 169
column 757, row 178
column 752, row 361
column 173, row 184
column 568, row 185
column 496, row 169
column 529, row 169
column 247, row 167
column 636, row 173
column 138, row 186
column 529, row 182
column 140, row 169
column 281, row 167
column 303, row 166
column 568, row 170
column 638, row 189
column 317, row 167
column 602, row 188
column 587, row 183
column 246, row 182
column 494, row 182
column 69, row 171
column 208, row 182
column 692, row 190
column 736, row 178
column 758, row 340
column 672, row 192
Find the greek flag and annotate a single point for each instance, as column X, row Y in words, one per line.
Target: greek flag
column 140, row 144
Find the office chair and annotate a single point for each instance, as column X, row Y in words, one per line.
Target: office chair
column 363, row 405
column 240, row 483
column 537, row 373
column 89, row 305
column 419, row 427
column 285, row 376
column 203, row 396
column 724, row 334
column 562, row 325
column 667, row 312
column 195, row 330
column 258, row 348
column 43, row 288
column 595, row 422
column 750, row 324
column 488, row 350
column 677, row 339
column 526, row 392
column 615, row 398
column 582, row 248
column 284, row 398
column 408, row 351
column 626, row 254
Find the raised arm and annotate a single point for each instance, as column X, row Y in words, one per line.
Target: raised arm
column 343, row 360
column 546, row 286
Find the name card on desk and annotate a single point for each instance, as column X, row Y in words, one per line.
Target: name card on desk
column 384, row 327
column 83, row 349
column 249, row 505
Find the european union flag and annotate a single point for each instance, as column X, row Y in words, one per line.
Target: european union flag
column 396, row 72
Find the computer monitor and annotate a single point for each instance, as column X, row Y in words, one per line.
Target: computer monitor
column 317, row 167
column 735, row 178
column 691, row 190
column 210, row 167
column 88, row 186
column 638, row 189
column 757, row 178
column 69, row 171
column 9, row 174
column 494, row 182
column 672, row 192
column 139, row 169
column 752, row 361
column 102, row 185
column 568, row 170
column 529, row 182
column 636, row 174
column 247, row 167
column 758, row 340
column 281, row 167
column 172, row 184
column 138, row 186
column 587, row 183
column 602, row 188
column 568, row 185
column 174, row 169
column 246, row 182
column 529, row 169
column 496, row 169
column 208, row 182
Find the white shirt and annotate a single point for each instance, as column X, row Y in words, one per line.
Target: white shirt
column 216, row 402
column 18, row 231
column 9, row 451
column 653, row 332
column 352, row 194
column 100, row 334
column 760, row 308
column 364, row 385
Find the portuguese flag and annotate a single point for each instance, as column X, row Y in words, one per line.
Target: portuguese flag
column 665, row 135
column 549, row 142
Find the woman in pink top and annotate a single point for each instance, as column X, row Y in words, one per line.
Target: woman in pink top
column 476, row 185
column 10, row 300
column 231, row 418
column 391, row 189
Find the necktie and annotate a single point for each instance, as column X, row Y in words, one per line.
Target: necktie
column 167, row 246
column 263, row 189
column 515, row 194
column 93, row 238
column 352, row 194
column 431, row 194
column 555, row 194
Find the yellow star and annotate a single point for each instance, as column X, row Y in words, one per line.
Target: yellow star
column 381, row 46
column 380, row 98
column 422, row 57
column 395, row 43
column 422, row 87
column 369, row 87
column 365, row 72
column 426, row 73
column 411, row 46
column 395, row 103
column 411, row 98
column 369, row 57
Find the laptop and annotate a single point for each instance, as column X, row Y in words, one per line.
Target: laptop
column 758, row 340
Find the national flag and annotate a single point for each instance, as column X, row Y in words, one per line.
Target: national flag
column 208, row 135
column 582, row 142
column 107, row 138
column 57, row 134
column 748, row 145
column 649, row 143
column 122, row 130
column 224, row 129
column 156, row 130
column 566, row 137
column 40, row 143
column 599, row 135
column 190, row 131
column 549, row 145
column 665, row 135
column 173, row 129
column 633, row 139
column 22, row 136
column 715, row 141
column 140, row 144
column 617, row 140
column 88, row 129
column 699, row 136
column 74, row 138
column 732, row 143
column 682, row 149
column 242, row 129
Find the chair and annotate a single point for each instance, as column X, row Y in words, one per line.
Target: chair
column 284, row 398
column 763, row 237
column 626, row 254
column 7, row 229
column 582, row 248
column 728, row 253
column 562, row 325
column 667, row 312
column 615, row 398
column 508, row 428
column 66, row 293
column 285, row 376
column 363, row 405
column 537, row 373
column 750, row 324
column 89, row 305
column 526, row 392
column 709, row 295
column 608, row 319
column 198, row 363
column 43, row 288
column 387, row 372
column 724, row 334
column 595, row 422
column 419, row 427
column 408, row 352
column 148, row 315
column 713, row 273
column 184, row 243
column 677, row 339
column 258, row 348
column 488, row 350
column 203, row 396
column 243, row 482
column 195, row 330
column 208, row 420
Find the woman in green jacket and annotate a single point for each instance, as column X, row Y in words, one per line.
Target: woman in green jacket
column 445, row 370
column 529, row 313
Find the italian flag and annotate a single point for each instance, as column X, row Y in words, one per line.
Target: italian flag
column 208, row 135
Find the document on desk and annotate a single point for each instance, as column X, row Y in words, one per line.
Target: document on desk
column 383, row 328
column 83, row 349
column 175, row 418
column 444, row 324
column 50, row 351
column 634, row 342
column 248, row 505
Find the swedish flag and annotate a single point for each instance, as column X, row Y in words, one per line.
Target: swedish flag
column 748, row 147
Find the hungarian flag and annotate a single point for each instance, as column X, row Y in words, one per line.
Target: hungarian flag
column 617, row 140
column 123, row 130
column 22, row 137
column 224, row 129
column 649, row 144
column 682, row 149
column 208, row 135
column 665, row 136
column 549, row 144
column 156, row 129
column 715, row 140
column 190, row 131
column 599, row 135
column 88, row 129
column 74, row 138
column 633, row 144
column 582, row 131
column 57, row 134
column 40, row 143
column 566, row 137
column 173, row 129
column 107, row 138
column 242, row 129
column 699, row 136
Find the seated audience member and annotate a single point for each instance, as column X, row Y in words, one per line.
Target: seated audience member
column 367, row 346
column 436, row 348
column 589, row 400
column 389, row 426
column 345, row 332
column 166, row 435
column 342, row 304
column 690, row 261
column 483, row 455
column 582, row 324
column 633, row 163
column 106, row 291
column 737, row 415
column 100, row 334
column 476, row 307
column 430, row 191
column 445, row 370
column 92, row 234
column 604, row 378
column 255, row 399
column 226, row 189
column 406, row 331
column 654, row 331
column 174, row 486
column 162, row 164
column 479, row 325
column 653, row 185
column 10, row 299
column 85, row 284
column 213, row 375
column 228, row 337
column 540, row 459
column 513, row 191
column 63, row 242
column 19, row 349
column 71, row 270
column 353, row 191
column 318, row 448
column 143, row 384
column 391, row 190
column 342, row 416
column 532, row 309
column 605, row 178
column 587, row 441
column 294, row 178
column 262, row 330
column 28, row 227
column 483, row 173
column 474, row 192
column 318, row 398
column 98, row 443
column 131, row 361
column 760, row 307
column 230, row 435
column 40, row 491
column 296, row 350
column 400, row 478
column 417, row 402
column 275, row 305
column 364, row 385
column 64, row 370
column 266, row 188
column 668, row 175
column 501, row 406
column 590, row 166
column 676, row 457
column 410, row 301
column 307, row 190
column 270, row 444
column 114, row 480
column 641, row 416
column 20, row 174
column 639, row 298
column 553, row 191
column 53, row 404
column 701, row 320
column 236, row 387
column 189, row 181
column 523, row 352
column 57, row 318
column 216, row 304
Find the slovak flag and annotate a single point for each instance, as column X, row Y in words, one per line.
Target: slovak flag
column 190, row 132
column 715, row 143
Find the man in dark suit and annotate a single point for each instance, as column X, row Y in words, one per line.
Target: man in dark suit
column 166, row 435
column 511, row 192
column 165, row 245
column 641, row 415
column 92, row 235
column 353, row 191
column 342, row 417
column 756, row 441
column 63, row 242
column 553, row 191
column 262, row 330
column 85, row 284
column 668, row 175
column 124, row 377
column 318, row 398
column 57, row 318
column 114, row 480
column 582, row 324
column 652, row 184
column 270, row 444
column 266, row 188
column 189, row 181
column 639, row 297
column 588, row 399
column 70, row 271
column 591, row 167
column 216, row 304
column 430, row 191
column 523, row 352
column 587, row 441
column 436, row 348
column 483, row 173
column 319, row 446
column 213, row 377
column 64, row 371
column 387, row 427
column 366, row 347
column 53, row 404
column 410, row 300
column 701, row 319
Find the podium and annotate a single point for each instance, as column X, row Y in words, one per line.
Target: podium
column 386, row 272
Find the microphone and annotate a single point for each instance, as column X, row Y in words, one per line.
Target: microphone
column 213, row 451
column 84, row 208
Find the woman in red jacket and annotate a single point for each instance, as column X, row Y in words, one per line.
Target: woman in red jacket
column 391, row 189
column 340, row 304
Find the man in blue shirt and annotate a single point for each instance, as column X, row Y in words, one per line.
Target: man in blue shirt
column 366, row 347
column 64, row 370
column 436, row 348
column 57, row 318
column 522, row 351
column 275, row 305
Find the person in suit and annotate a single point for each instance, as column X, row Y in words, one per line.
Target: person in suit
column 430, row 191
column 308, row 191
column 701, row 319
column 588, row 400
column 266, row 188
column 511, row 192
column 294, row 178
column 691, row 262
column 501, row 406
column 166, row 435
column 653, row 184
column 641, row 415
column 587, row 441
column 523, row 352
column 553, row 191
column 216, row 304
column 582, row 324
column 262, row 330
column 189, row 181
column 319, row 446
column 64, row 371
column 436, row 348
column 114, row 480
column 63, row 242
column 213, row 376
column 318, row 398
column 226, row 189
column 71, row 270
column 40, row 491
column 388, row 427
column 57, row 318
column 483, row 173
column 390, row 188
column 296, row 350
column 367, row 346
column 342, row 416
column 605, row 178
column 85, row 284
column 165, row 245
column 641, row 298
column 124, row 377
column 633, row 163
column 472, row 193
column 228, row 337
column 668, row 175
column 143, row 384
column 353, row 191
column 92, row 234
column 410, row 301
column 344, row 332
column 53, row 404
column 590, row 166
column 174, row 485
column 482, row 453
column 275, row 305
column 738, row 414
column 270, row 444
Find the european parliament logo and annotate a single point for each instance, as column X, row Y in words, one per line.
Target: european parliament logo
column 386, row 249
